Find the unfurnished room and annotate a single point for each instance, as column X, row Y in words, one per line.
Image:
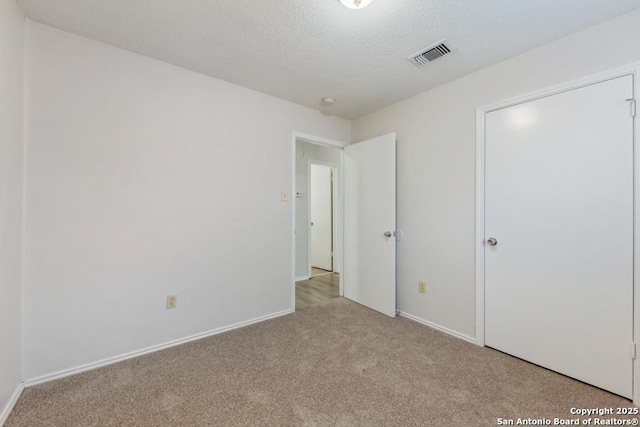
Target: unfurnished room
column 319, row 213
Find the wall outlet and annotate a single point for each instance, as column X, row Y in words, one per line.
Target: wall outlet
column 422, row 287
column 172, row 301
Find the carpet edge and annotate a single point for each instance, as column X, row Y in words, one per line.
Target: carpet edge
column 6, row 411
column 151, row 349
column 439, row 328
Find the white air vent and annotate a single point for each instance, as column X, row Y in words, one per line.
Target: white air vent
column 431, row 53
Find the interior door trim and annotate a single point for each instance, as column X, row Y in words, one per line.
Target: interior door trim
column 630, row 69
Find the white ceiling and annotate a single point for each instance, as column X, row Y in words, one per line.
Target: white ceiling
column 304, row 50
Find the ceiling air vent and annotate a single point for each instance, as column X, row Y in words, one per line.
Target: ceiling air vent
column 431, row 53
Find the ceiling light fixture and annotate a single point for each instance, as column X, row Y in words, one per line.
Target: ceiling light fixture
column 356, row 4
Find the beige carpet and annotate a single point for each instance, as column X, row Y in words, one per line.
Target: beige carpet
column 332, row 364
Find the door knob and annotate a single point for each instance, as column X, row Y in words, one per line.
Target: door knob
column 388, row 234
column 491, row 241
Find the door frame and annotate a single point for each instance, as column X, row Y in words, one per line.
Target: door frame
column 325, row 142
column 631, row 69
column 335, row 194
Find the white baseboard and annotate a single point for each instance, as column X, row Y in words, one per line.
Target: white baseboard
column 111, row 360
column 12, row 402
column 438, row 327
column 298, row 279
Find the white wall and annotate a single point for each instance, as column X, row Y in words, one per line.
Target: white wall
column 304, row 152
column 436, row 162
column 11, row 171
column 143, row 180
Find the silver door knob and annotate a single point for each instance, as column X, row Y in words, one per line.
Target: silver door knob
column 491, row 241
column 388, row 234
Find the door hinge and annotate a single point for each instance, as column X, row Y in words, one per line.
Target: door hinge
column 632, row 101
column 633, row 350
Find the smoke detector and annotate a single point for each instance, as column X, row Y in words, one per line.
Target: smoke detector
column 328, row 101
column 430, row 53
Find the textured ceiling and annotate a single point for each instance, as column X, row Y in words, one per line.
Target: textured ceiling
column 304, row 50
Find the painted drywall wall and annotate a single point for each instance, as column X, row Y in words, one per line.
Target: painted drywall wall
column 144, row 180
column 11, row 172
column 436, row 162
column 304, row 152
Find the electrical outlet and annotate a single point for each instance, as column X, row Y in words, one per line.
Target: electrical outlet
column 422, row 287
column 172, row 301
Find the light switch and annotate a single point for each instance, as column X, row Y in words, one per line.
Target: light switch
column 285, row 195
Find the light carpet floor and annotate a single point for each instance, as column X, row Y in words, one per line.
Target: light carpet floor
column 333, row 364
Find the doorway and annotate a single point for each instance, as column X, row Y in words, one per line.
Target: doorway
column 364, row 229
column 322, row 214
column 318, row 224
column 555, row 221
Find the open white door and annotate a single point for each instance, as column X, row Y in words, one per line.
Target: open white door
column 321, row 213
column 369, row 271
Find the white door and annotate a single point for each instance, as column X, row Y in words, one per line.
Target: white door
column 321, row 215
column 559, row 204
column 369, row 271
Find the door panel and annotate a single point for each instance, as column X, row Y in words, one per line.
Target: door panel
column 369, row 270
column 559, row 202
column 321, row 213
